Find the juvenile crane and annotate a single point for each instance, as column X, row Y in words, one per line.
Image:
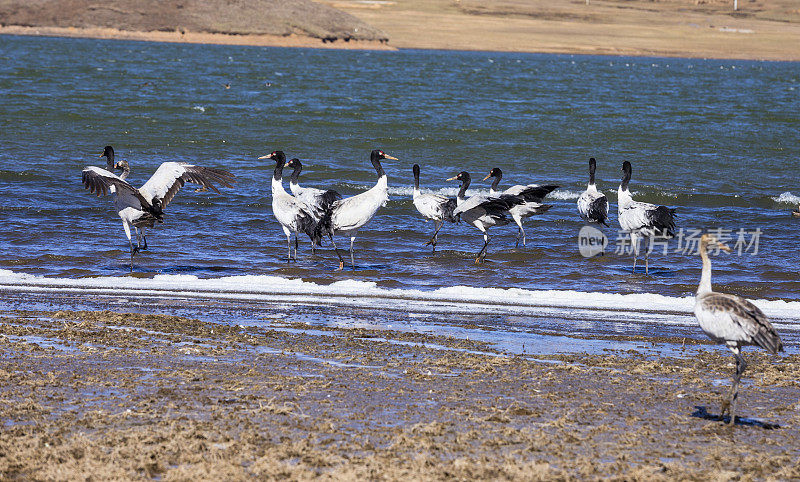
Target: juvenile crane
column 731, row 320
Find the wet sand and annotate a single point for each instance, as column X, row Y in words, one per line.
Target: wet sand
column 121, row 396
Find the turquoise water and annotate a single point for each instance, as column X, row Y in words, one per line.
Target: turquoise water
column 716, row 139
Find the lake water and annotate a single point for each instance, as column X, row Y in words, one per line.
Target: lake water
column 716, row 139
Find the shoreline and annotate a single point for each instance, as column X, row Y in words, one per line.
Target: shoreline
column 299, row 41
column 124, row 395
column 295, row 41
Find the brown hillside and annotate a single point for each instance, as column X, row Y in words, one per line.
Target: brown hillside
column 237, row 17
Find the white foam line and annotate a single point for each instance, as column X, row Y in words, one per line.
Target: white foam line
column 455, row 299
column 787, row 197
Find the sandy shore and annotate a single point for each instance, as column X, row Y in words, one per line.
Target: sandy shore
column 195, row 38
column 124, row 396
column 671, row 28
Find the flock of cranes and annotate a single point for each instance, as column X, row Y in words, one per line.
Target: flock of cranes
column 726, row 319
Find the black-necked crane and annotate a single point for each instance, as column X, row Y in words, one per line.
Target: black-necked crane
column 292, row 214
column 643, row 221
column 141, row 208
column 483, row 212
column 532, row 194
column 436, row 207
column 318, row 201
column 348, row 215
column 592, row 204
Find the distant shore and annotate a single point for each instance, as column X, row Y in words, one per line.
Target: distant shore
column 301, row 41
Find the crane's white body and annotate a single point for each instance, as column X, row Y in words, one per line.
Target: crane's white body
column 592, row 200
column 431, row 206
column 291, row 213
column 524, row 210
column 352, row 213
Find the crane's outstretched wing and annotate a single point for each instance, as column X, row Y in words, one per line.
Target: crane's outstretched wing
column 100, row 181
column 502, row 202
column 170, row 177
column 531, row 192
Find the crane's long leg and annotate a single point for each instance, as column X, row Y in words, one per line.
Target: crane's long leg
column 524, row 238
column 482, row 253
column 144, row 238
column 134, row 249
column 733, row 396
column 520, row 231
column 288, row 234
column 647, row 256
column 434, row 239
column 336, row 250
column 295, row 247
column 352, row 259
column 635, row 246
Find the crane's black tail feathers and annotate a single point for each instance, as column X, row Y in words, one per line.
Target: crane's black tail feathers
column 322, row 228
column 663, row 219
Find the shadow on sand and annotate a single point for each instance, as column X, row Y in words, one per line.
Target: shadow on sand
column 702, row 412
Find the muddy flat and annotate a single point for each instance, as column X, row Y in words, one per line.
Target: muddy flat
column 119, row 395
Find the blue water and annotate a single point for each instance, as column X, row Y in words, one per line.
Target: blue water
column 716, row 139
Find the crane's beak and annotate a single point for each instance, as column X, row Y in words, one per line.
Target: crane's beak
column 387, row 156
column 101, row 155
column 454, row 178
column 268, row 156
column 724, row 247
column 487, row 176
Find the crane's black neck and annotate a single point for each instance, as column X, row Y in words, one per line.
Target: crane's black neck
column 109, row 153
column 416, row 177
column 375, row 157
column 592, row 168
column 296, row 173
column 280, row 161
column 465, row 182
column 496, row 182
column 626, row 177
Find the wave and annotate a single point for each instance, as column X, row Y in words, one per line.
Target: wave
column 352, row 293
column 788, row 198
column 563, row 195
column 453, row 191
